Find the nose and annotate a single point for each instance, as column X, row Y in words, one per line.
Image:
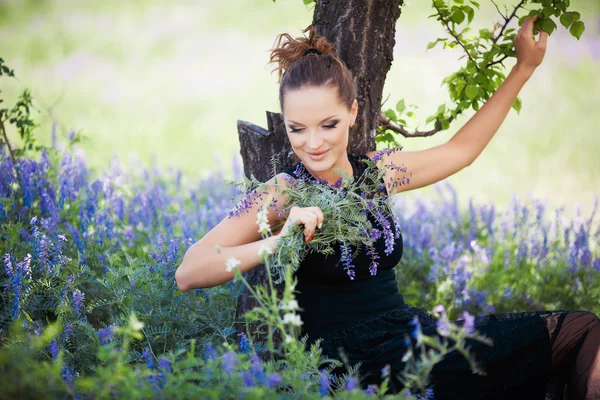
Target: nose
column 314, row 142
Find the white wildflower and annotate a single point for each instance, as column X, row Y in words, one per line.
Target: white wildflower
column 262, row 221
column 290, row 305
column 289, row 339
column 232, row 263
column 264, row 251
column 291, row 318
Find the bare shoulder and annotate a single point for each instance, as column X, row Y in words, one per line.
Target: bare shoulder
column 371, row 154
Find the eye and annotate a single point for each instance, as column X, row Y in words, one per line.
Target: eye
column 294, row 130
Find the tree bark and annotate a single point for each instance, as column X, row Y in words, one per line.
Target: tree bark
column 363, row 33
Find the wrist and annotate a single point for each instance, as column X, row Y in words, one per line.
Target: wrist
column 523, row 71
column 272, row 241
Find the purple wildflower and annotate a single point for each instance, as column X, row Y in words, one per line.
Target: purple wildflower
column 385, row 371
column 469, row 325
column 371, row 389
column 346, row 259
column 384, row 222
column 77, row 302
column 442, row 324
column 105, row 335
column 417, row 331
column 274, row 380
column 165, row 364
column 383, row 152
column 229, row 361
column 247, row 377
column 256, row 368
column 324, row 383
column 67, row 376
column 244, row 343
column 351, row 384
column 374, row 256
column 210, row 353
column 149, row 358
column 53, row 347
column 245, row 204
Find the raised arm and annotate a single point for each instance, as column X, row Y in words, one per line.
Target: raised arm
column 422, row 168
column 237, row 236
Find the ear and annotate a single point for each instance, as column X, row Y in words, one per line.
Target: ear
column 354, row 111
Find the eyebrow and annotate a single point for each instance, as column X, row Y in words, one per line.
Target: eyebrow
column 294, row 122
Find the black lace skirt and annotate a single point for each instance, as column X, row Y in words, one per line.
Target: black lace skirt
column 517, row 366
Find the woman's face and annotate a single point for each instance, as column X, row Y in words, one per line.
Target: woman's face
column 317, row 126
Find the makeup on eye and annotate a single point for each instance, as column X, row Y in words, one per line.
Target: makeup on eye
column 331, row 126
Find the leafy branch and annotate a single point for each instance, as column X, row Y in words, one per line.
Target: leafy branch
column 485, row 52
column 18, row 116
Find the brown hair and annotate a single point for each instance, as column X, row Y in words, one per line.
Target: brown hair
column 313, row 70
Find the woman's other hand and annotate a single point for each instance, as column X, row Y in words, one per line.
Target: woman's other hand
column 530, row 52
column 310, row 217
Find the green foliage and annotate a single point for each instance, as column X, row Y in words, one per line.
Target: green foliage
column 484, row 53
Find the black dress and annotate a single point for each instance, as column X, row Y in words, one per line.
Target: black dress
column 367, row 319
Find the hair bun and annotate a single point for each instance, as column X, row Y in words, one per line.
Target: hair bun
column 287, row 53
column 311, row 50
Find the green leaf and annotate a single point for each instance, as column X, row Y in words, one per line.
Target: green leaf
column 390, row 114
column 567, row 19
column 460, row 86
column 517, row 105
column 472, row 91
column 400, row 106
column 577, row 29
column 549, row 26
column 458, row 16
column 470, row 13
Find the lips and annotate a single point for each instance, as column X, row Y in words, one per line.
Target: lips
column 318, row 154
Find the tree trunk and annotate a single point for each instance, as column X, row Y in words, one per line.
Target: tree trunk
column 363, row 33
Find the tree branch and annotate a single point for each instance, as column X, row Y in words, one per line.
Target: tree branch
column 451, row 32
column 507, row 21
column 10, row 151
column 387, row 123
column 499, row 61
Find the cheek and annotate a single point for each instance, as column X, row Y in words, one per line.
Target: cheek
column 295, row 140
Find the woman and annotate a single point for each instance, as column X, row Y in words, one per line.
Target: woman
column 366, row 317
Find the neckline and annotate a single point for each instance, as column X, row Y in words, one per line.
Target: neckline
column 353, row 163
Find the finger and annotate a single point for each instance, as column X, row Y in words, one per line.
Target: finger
column 527, row 26
column 309, row 221
column 320, row 217
column 543, row 40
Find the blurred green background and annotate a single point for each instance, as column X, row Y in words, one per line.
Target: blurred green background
column 171, row 79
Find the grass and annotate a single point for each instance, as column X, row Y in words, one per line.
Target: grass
column 172, row 79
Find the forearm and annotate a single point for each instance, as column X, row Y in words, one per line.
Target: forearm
column 204, row 267
column 477, row 133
